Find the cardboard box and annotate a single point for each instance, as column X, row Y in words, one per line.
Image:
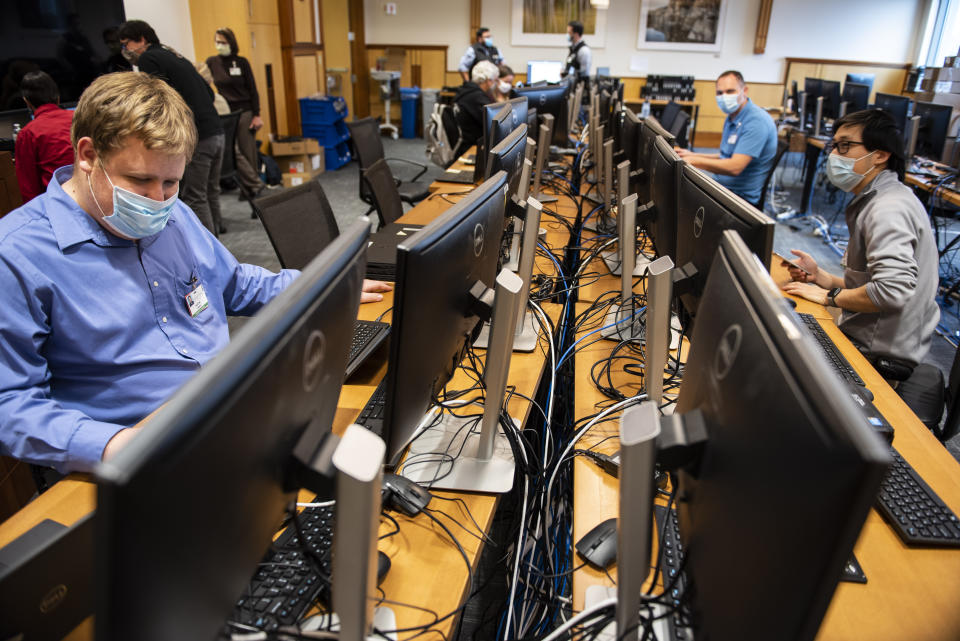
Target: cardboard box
column 305, row 146
column 301, row 163
column 295, row 180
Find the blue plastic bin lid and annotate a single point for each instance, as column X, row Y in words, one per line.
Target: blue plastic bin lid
column 409, row 93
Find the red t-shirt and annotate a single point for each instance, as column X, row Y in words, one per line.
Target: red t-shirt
column 43, row 146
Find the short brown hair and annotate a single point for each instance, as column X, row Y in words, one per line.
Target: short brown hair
column 130, row 103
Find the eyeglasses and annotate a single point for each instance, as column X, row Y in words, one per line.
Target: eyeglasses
column 843, row 146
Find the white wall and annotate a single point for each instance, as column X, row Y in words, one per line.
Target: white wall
column 169, row 18
column 426, row 22
column 875, row 30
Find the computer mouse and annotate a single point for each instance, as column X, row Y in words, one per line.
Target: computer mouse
column 598, row 547
column 863, row 392
column 383, row 566
column 792, row 303
column 403, row 495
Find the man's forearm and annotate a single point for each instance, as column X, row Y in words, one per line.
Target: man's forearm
column 713, row 163
column 855, row 300
column 828, row 281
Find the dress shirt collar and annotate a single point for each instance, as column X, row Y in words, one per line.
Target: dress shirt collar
column 42, row 109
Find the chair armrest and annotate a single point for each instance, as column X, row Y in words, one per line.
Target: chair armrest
column 423, row 168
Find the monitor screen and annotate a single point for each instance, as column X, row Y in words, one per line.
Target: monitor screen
column 544, row 71
column 551, row 99
column 186, row 511
column 830, row 90
column 856, row 95
column 648, row 135
column 432, row 318
column 508, row 157
column 664, row 169
column 862, row 79
column 896, row 106
column 932, row 131
column 705, row 209
column 789, row 470
column 812, row 90
column 628, row 140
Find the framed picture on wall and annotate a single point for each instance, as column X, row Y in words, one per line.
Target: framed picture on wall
column 543, row 23
column 682, row 25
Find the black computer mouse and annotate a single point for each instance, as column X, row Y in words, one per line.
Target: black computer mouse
column 383, row 566
column 598, row 547
column 862, row 392
column 403, row 495
column 792, row 303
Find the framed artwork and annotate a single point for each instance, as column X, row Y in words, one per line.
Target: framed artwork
column 543, row 23
column 682, row 25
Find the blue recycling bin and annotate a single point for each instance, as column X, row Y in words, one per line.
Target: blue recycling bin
column 409, row 97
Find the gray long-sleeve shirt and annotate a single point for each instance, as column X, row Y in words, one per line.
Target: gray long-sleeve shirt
column 892, row 251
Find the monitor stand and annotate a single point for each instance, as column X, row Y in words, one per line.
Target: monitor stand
column 449, row 454
column 621, row 322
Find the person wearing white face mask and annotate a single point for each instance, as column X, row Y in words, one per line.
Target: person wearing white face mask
column 890, row 274
column 481, row 49
column 748, row 144
column 504, row 88
column 115, row 293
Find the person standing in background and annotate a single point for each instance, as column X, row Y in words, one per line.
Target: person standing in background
column 580, row 57
column 43, row 145
column 234, row 80
column 481, row 49
column 200, row 187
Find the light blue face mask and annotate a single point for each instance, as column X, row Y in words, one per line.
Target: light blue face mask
column 134, row 216
column 488, row 42
column 840, row 171
column 728, row 102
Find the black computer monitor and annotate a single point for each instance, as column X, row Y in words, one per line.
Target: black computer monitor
column 648, row 135
column 664, row 167
column 811, row 87
column 497, row 125
column 896, row 106
column 628, row 141
column 508, row 157
column 603, row 111
column 830, row 90
column 789, row 469
column 518, row 114
column 433, row 318
column 705, row 209
column 533, row 123
column 551, row 99
column 932, row 130
column 862, row 79
column 187, row 509
column 856, row 95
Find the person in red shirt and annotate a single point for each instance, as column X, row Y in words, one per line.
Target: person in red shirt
column 43, row 145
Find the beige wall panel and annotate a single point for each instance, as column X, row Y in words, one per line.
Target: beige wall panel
column 308, row 75
column 303, row 25
column 265, row 49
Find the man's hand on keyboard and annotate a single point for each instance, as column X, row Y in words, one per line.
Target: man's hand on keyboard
column 371, row 288
column 809, row 291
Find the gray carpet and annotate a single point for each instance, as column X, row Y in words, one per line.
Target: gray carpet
column 248, row 241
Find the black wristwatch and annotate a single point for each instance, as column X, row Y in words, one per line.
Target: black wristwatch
column 832, row 296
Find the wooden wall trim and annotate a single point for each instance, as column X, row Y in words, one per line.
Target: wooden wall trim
column 288, row 48
column 358, row 60
column 398, row 46
column 476, row 15
column 763, row 26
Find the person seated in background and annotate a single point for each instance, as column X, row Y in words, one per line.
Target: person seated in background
column 469, row 102
column 505, row 84
column 116, row 294
column 748, row 144
column 43, row 145
column 890, row 267
column 481, row 49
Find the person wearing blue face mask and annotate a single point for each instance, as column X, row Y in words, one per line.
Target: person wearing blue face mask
column 115, row 292
column 890, row 266
column 579, row 57
column 748, row 144
column 481, row 49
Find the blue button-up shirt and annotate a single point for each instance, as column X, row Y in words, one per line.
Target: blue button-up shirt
column 95, row 332
column 751, row 132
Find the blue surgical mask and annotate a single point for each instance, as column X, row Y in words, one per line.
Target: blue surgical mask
column 840, row 171
column 569, row 39
column 728, row 102
column 488, row 42
column 134, row 216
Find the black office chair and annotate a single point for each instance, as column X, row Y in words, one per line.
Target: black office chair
column 669, row 114
column 228, row 168
column 299, row 223
column 384, row 193
column 365, row 134
column 926, row 394
column 679, row 127
column 782, row 147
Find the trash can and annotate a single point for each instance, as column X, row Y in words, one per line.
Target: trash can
column 428, row 98
column 409, row 96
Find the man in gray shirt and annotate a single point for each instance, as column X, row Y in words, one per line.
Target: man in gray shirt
column 890, row 274
column 579, row 58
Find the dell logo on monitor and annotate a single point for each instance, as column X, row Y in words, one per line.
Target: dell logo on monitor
column 727, row 351
column 698, row 223
column 478, row 240
column 52, row 600
column 313, row 356
column 543, row 99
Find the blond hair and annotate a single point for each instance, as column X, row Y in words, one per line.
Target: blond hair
column 130, row 103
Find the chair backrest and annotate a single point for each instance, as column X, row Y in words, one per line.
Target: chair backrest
column 386, row 196
column 679, row 127
column 365, row 134
column 228, row 169
column 299, row 222
column 782, row 147
column 951, row 425
column 669, row 114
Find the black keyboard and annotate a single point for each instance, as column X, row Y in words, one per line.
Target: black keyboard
column 371, row 416
column 367, row 337
column 914, row 510
column 840, row 365
column 287, row 584
column 671, row 555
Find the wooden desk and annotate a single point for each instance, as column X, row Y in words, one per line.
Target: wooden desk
column 911, row 592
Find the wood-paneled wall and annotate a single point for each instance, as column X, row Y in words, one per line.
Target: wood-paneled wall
column 256, row 25
column 423, row 66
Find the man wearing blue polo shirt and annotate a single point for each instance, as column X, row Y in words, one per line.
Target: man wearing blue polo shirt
column 748, row 145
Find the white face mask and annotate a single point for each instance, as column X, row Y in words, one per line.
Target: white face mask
column 728, row 102
column 504, row 87
column 134, row 216
column 223, row 49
